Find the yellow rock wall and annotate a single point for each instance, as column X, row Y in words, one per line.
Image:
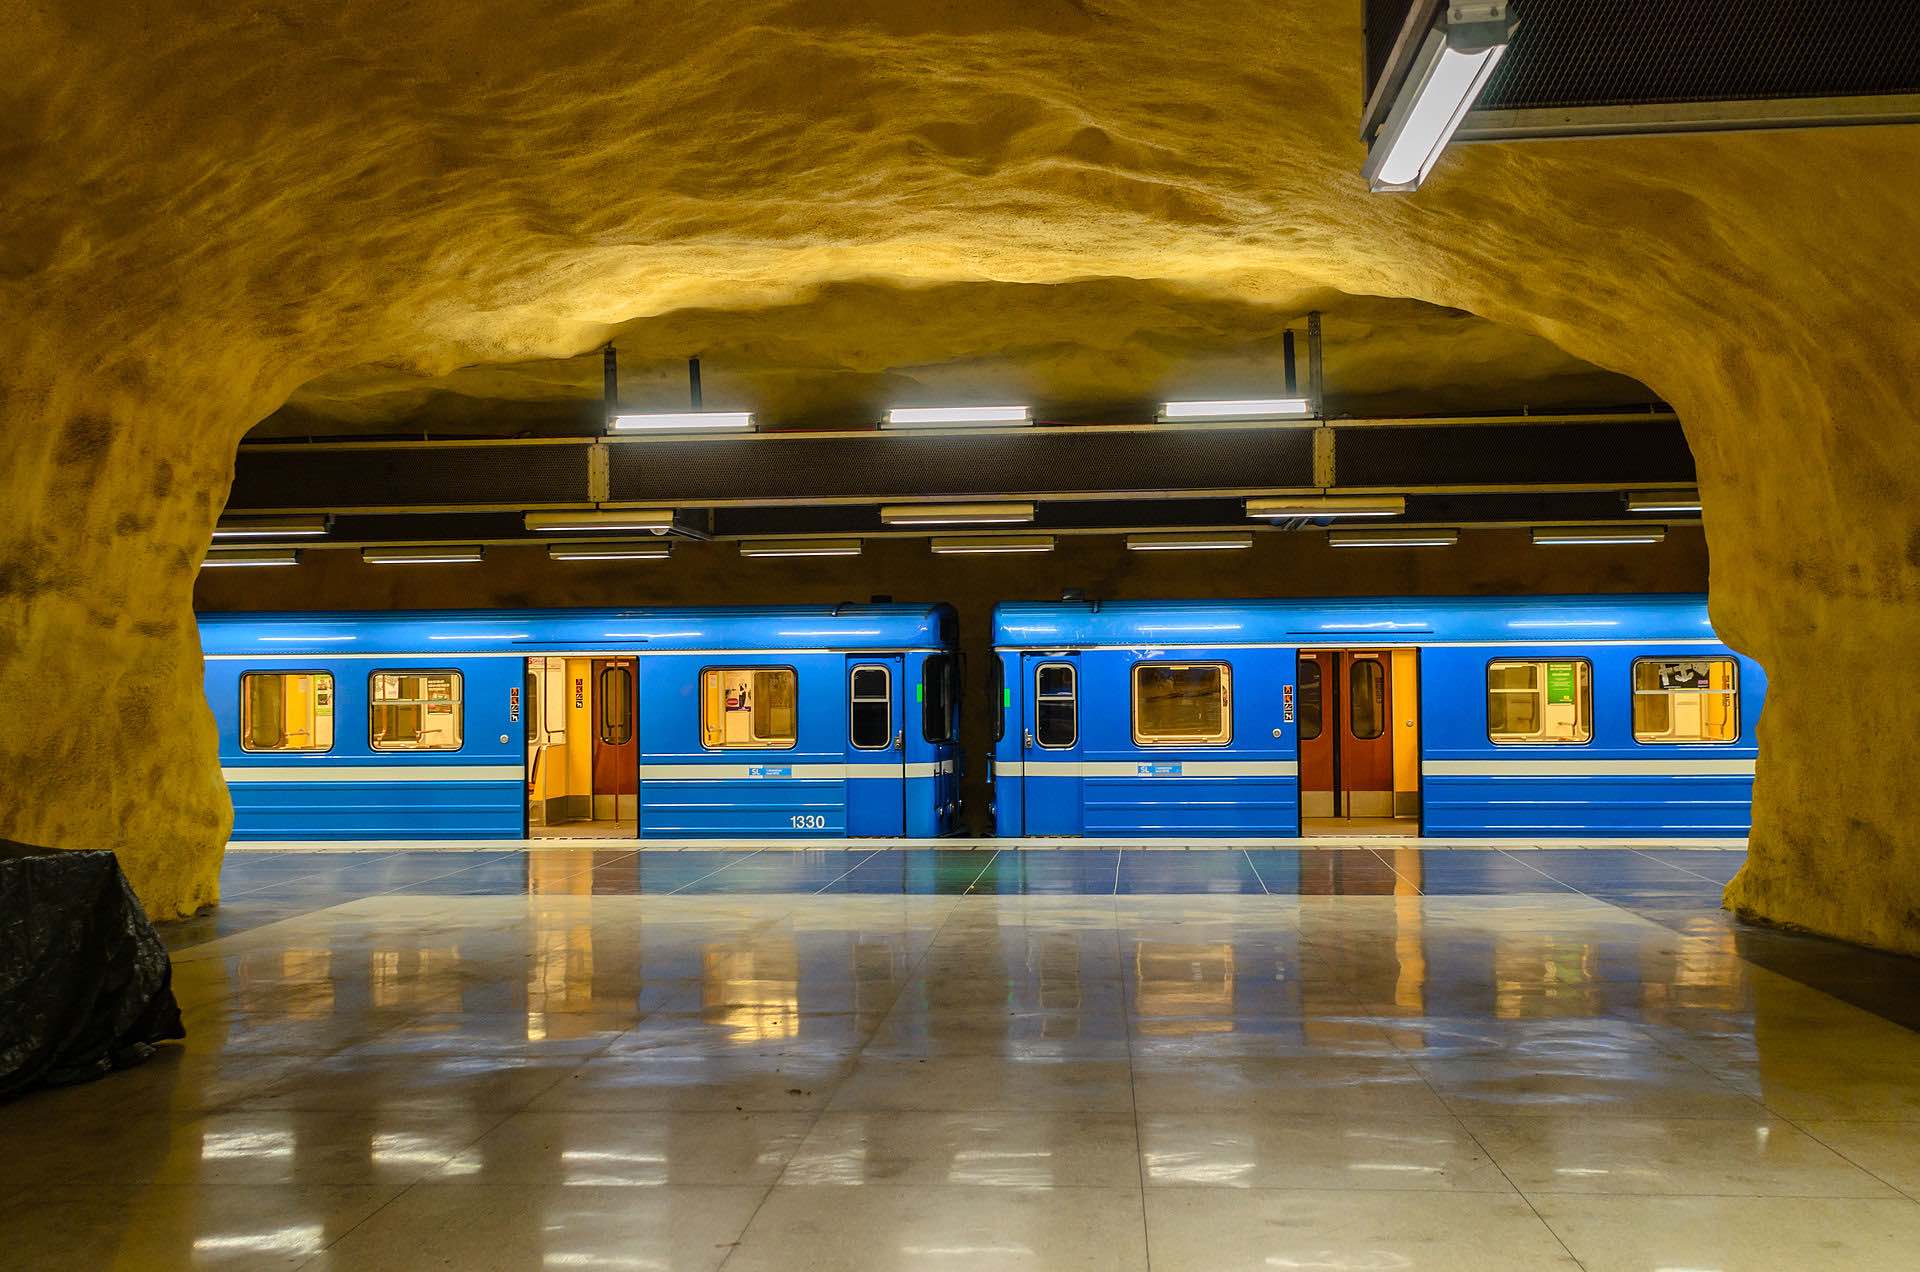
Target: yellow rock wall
column 206, row 206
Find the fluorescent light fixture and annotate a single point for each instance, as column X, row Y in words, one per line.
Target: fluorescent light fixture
column 424, row 554
column 1551, row 536
column 221, row 558
column 1188, row 542
column 799, row 547
column 993, row 543
column 1392, row 537
column 1663, row 501
column 617, row 550
column 936, row 416
column 1327, row 506
column 269, row 527
column 956, row 514
column 1453, row 65
column 658, row 520
column 681, row 422
column 1288, row 408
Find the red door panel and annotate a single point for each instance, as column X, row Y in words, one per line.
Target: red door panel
column 615, row 745
column 1366, row 750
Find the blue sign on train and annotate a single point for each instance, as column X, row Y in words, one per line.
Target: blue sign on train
column 769, row 770
column 1158, row 770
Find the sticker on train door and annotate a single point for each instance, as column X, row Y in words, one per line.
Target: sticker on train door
column 1286, row 704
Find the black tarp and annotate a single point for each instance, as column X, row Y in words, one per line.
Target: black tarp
column 85, row 984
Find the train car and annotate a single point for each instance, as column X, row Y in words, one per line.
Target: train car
column 796, row 721
column 1545, row 717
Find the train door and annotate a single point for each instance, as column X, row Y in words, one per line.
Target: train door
column 876, row 746
column 582, row 749
column 1051, row 794
column 1358, row 721
column 616, row 754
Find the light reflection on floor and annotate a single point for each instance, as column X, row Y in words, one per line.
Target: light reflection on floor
column 580, row 1058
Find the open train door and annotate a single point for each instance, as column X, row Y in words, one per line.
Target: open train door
column 1358, row 721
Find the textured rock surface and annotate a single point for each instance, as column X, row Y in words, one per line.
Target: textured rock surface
column 205, row 207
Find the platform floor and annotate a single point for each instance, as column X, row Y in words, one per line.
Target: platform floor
column 1374, row 1059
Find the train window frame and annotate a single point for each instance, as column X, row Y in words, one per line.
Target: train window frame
column 1223, row 689
column 885, row 699
column 950, row 677
column 1583, row 702
column 1300, row 697
column 1354, row 663
column 458, row 702
column 1071, row 696
column 246, row 713
column 756, row 744
column 600, row 689
column 997, row 686
column 1635, row 693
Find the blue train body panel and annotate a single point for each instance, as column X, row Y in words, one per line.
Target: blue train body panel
column 820, row 786
column 1103, row 781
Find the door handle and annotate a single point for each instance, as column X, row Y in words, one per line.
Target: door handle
column 900, row 739
column 1028, row 737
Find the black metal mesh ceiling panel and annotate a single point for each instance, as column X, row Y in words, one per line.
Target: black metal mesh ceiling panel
column 1571, row 53
column 890, row 466
column 1513, row 454
column 335, row 477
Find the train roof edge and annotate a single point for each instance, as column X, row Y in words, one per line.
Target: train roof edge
column 1354, row 620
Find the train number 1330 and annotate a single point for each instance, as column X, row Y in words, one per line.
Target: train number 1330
column 808, row 821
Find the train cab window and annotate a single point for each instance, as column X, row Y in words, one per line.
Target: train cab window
column 1686, row 700
column 748, row 707
column 1309, row 700
column 936, row 698
column 416, row 710
column 997, row 687
column 1535, row 701
column 616, row 706
column 1056, row 705
column 1182, row 704
column 286, row 711
column 870, row 713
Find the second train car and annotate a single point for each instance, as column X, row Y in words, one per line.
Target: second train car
column 792, row 721
column 1551, row 717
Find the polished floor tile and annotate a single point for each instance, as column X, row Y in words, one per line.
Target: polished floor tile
column 1264, row 1229
column 1735, row 1234
column 909, row 1228
column 1365, row 1058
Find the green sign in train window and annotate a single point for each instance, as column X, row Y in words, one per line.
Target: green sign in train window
column 1560, row 683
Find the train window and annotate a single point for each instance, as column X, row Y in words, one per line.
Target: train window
column 286, row 711
column 1531, row 701
column 1366, row 699
column 936, row 698
column 997, row 687
column 1686, row 700
column 415, row 710
column 1309, row 699
column 870, row 718
column 1182, row 704
column 616, row 706
column 1056, row 705
column 753, row 707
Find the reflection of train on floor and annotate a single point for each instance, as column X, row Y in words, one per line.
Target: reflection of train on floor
column 697, row 723
column 1547, row 717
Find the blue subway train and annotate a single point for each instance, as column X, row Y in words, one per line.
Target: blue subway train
column 791, row 721
column 1549, row 717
